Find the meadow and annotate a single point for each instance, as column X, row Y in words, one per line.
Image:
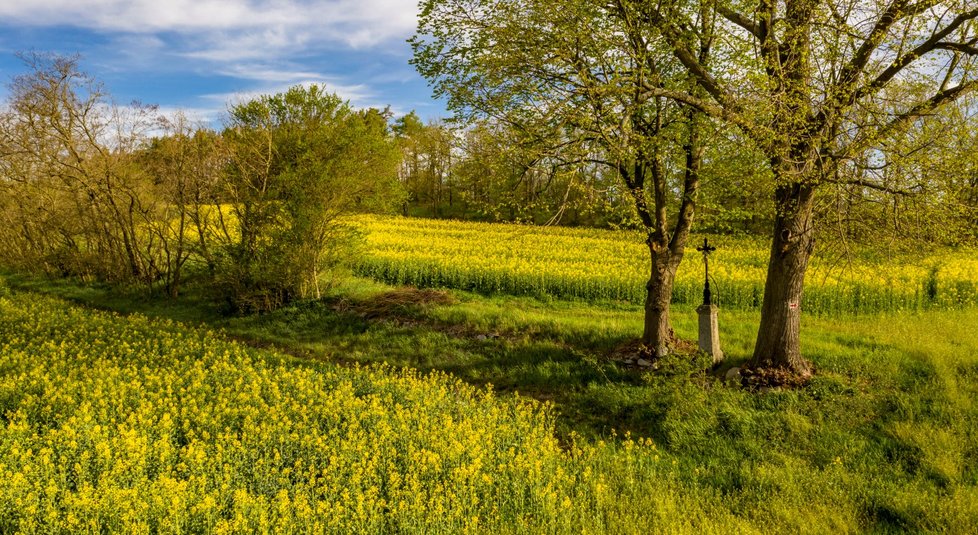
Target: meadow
column 595, row 265
column 496, row 407
column 371, row 411
column 128, row 425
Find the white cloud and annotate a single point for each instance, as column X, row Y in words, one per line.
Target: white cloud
column 267, row 46
column 357, row 23
column 196, row 115
column 269, row 73
column 357, row 94
column 247, row 45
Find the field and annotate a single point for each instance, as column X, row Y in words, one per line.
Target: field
column 383, row 409
column 181, row 432
column 596, row 265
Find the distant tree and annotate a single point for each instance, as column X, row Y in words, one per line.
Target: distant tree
column 186, row 166
column 426, row 165
column 298, row 161
column 503, row 179
column 737, row 186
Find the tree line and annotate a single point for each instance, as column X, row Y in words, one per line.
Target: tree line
column 123, row 195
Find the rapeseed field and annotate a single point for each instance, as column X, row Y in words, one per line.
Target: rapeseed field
column 596, row 265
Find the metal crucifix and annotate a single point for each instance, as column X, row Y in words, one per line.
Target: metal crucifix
column 706, row 249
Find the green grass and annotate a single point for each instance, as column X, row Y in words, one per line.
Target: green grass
column 884, row 439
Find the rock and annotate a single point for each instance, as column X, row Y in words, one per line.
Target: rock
column 732, row 376
column 643, row 362
column 481, row 337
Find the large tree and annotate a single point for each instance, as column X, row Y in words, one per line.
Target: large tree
column 572, row 79
column 807, row 90
column 74, row 202
column 802, row 80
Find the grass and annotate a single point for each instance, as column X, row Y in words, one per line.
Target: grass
column 884, row 439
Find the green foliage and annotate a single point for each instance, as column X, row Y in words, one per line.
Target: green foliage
column 929, row 174
column 299, row 160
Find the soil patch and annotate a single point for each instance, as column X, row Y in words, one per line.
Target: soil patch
column 407, row 301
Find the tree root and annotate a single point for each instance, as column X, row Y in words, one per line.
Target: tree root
column 767, row 377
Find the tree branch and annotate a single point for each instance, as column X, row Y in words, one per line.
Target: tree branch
column 902, row 62
column 923, row 108
column 895, row 12
column 964, row 48
column 690, row 62
column 871, row 185
column 709, row 108
column 740, row 20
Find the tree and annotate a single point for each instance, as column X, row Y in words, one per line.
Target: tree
column 503, row 179
column 801, row 80
column 75, row 199
column 185, row 166
column 426, row 164
column 930, row 170
column 572, row 79
column 807, row 91
column 298, row 161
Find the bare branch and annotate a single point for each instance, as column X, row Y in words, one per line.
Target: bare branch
column 921, row 109
column 964, row 48
column 896, row 11
column 903, row 61
column 740, row 20
column 871, row 185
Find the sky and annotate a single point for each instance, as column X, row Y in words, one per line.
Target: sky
column 199, row 55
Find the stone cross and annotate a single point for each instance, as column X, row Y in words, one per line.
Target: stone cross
column 709, row 331
column 706, row 249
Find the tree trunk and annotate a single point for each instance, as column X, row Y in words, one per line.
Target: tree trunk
column 658, row 334
column 778, row 340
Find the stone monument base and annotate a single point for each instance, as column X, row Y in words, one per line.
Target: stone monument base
column 709, row 332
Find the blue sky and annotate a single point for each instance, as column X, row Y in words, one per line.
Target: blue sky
column 198, row 55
